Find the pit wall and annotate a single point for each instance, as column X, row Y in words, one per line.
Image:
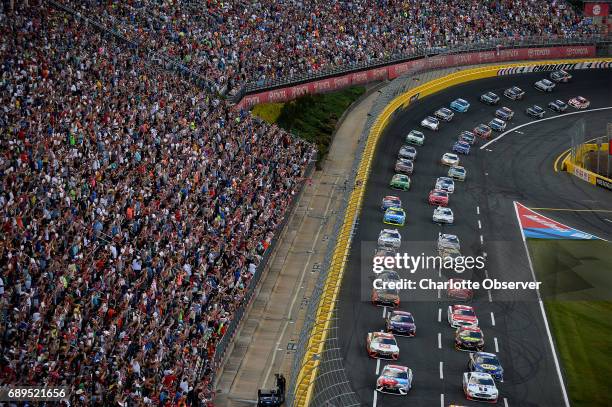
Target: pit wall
column 309, row 365
column 391, row 72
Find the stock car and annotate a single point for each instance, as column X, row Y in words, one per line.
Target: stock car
column 579, row 103
column 535, row 111
column 469, row 338
column 445, row 184
column 404, row 166
column 430, row 123
column 415, row 137
column 504, row 113
column 460, row 105
column 401, row 323
column 385, row 297
column 408, row 152
column 382, row 345
column 394, row 379
column 443, row 215
column 461, row 315
column 448, row 241
column 389, row 238
column 450, row 159
column 461, row 147
column 400, row 181
column 489, row 98
column 544, row 85
column 384, row 252
column 480, row 387
column 438, row 198
column 497, row 124
column 459, row 293
column 560, row 76
column 485, row 362
column 483, row 131
column 445, row 114
column 467, row 136
column 394, row 216
column 457, row 173
column 391, row 201
column 514, row 93
column 558, row 106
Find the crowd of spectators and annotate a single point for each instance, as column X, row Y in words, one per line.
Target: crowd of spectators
column 134, row 211
column 233, row 42
column 135, row 207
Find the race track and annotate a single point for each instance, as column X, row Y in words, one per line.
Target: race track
column 519, row 167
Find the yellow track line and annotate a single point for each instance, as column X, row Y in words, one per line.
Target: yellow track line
column 556, row 164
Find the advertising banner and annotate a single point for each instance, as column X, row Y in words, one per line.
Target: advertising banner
column 393, row 71
column 596, row 9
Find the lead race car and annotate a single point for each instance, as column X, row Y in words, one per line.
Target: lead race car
column 395, row 379
column 579, row 103
column 480, row 387
column 382, row 345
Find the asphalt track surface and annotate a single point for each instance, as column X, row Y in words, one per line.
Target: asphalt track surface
column 518, row 167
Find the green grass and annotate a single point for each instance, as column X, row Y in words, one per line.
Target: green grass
column 577, row 287
column 583, row 335
column 311, row 117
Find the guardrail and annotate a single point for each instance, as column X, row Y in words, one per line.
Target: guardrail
column 318, row 377
column 497, row 45
column 574, row 164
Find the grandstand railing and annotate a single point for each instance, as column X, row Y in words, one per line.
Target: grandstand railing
column 420, row 52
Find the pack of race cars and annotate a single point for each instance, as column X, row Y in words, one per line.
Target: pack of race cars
column 483, row 368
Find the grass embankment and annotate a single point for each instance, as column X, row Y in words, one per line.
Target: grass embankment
column 577, row 287
column 311, row 117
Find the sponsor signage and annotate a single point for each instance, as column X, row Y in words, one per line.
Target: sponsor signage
column 582, row 174
column 604, row 183
column 393, row 71
column 596, row 9
column 537, row 226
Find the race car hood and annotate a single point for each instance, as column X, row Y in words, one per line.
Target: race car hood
column 479, row 388
column 464, row 318
column 383, row 347
column 391, row 382
column 488, row 368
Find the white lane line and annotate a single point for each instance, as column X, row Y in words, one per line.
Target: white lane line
column 439, row 340
column 608, row 220
column 492, row 319
column 538, row 121
column 479, row 224
column 496, row 345
column 486, row 273
column 478, row 210
column 489, row 295
column 375, row 398
column 441, row 370
column 442, row 400
column 384, row 312
column 377, row 366
column 481, row 240
column 543, row 311
column 439, row 314
column 505, row 402
column 439, row 293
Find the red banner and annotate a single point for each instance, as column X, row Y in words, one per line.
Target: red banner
column 596, row 9
column 393, row 71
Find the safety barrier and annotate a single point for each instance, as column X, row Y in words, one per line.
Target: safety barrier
column 303, row 383
column 575, row 166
